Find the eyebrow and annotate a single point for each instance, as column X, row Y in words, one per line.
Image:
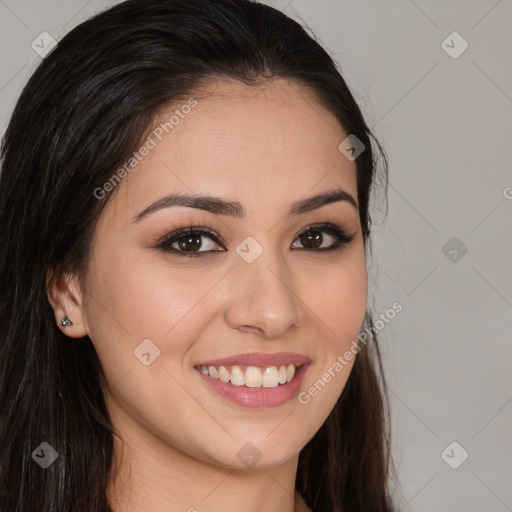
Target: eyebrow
column 220, row 206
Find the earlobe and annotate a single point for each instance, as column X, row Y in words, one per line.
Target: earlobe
column 66, row 300
column 65, row 322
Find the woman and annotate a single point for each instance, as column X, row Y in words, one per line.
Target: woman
column 184, row 207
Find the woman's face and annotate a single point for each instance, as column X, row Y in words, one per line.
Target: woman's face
column 260, row 286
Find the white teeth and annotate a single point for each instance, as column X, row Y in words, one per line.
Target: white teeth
column 253, row 377
column 224, row 374
column 213, row 372
column 270, row 377
column 282, row 375
column 290, row 372
column 237, row 377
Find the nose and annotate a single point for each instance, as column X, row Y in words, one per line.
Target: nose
column 264, row 298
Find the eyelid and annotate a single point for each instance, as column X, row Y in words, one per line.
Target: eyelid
column 343, row 237
column 183, row 230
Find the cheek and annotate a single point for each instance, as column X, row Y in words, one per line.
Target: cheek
column 136, row 301
column 139, row 298
column 338, row 298
column 340, row 307
column 172, row 305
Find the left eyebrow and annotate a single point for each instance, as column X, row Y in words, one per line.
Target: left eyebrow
column 220, row 206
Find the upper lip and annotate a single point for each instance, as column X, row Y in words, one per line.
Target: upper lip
column 259, row 359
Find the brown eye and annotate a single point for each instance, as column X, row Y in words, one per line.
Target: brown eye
column 188, row 241
column 192, row 242
column 312, row 237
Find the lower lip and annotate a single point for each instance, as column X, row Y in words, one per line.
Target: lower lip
column 258, row 397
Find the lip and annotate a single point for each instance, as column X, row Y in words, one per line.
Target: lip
column 257, row 397
column 260, row 359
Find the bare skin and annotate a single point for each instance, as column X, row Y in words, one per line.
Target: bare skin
column 266, row 148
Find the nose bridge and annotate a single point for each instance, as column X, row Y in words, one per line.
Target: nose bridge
column 262, row 294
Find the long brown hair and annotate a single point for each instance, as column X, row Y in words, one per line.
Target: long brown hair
column 81, row 115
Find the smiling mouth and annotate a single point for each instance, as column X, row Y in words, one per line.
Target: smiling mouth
column 251, row 376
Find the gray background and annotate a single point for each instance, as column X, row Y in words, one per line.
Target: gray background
column 446, row 125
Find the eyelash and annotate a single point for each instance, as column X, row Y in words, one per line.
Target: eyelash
column 342, row 236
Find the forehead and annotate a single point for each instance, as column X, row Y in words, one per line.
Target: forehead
column 273, row 143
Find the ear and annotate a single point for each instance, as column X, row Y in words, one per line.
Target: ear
column 66, row 300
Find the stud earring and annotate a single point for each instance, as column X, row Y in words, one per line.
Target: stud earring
column 65, row 322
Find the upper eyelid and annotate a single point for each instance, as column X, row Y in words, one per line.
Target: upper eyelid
column 180, row 231
column 206, row 231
